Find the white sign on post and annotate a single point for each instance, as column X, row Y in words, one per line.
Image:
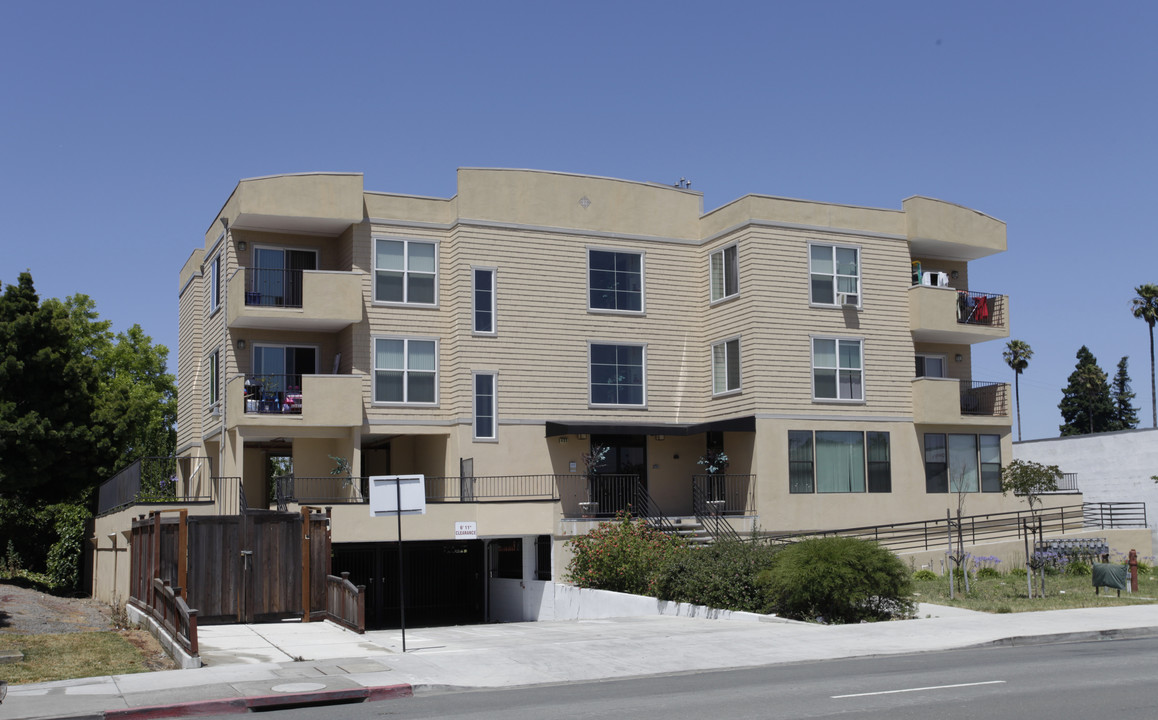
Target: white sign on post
column 386, row 489
column 466, row 531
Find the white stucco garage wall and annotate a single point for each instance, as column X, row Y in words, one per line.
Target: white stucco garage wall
column 1111, row 467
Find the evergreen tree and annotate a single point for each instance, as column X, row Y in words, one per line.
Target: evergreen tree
column 1086, row 405
column 1125, row 414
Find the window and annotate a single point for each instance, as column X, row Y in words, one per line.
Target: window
column 405, row 271
column 931, row 366
column 725, row 273
column 543, row 557
column 836, row 369
column 617, row 376
column 279, row 368
column 214, row 283
column 214, row 378
column 483, row 300
column 276, row 276
column 838, row 461
column 726, row 366
column 835, row 275
column 484, row 406
column 962, row 463
column 615, row 280
column 405, row 370
column 507, row 558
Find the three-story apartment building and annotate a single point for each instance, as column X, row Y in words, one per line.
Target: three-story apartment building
column 490, row 340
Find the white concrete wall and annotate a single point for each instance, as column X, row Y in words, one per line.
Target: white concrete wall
column 1111, row 467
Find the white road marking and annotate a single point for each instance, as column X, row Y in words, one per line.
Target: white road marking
column 919, row 689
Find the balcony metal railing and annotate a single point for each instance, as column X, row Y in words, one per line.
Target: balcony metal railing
column 273, row 394
column 266, row 287
column 984, row 398
column 978, row 308
column 709, row 513
column 157, row 480
column 726, row 494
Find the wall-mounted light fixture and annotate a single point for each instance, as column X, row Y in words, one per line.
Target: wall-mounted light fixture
column 954, row 274
column 241, row 344
column 242, row 246
column 959, row 357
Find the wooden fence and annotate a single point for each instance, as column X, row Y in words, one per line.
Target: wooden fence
column 346, row 603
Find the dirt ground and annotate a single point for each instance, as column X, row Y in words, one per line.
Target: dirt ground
column 25, row 611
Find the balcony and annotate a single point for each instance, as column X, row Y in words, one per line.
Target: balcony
column 317, row 300
column 295, row 401
column 947, row 401
column 959, row 317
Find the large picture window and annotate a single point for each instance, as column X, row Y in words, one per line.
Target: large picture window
column 725, row 272
column 617, row 375
column 405, row 370
column 837, row 372
column 838, row 461
column 615, row 280
column 405, row 271
column 726, row 366
column 962, row 463
column 834, row 274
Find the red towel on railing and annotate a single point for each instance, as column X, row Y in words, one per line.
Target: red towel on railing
column 982, row 312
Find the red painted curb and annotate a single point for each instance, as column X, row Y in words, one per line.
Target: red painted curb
column 229, row 706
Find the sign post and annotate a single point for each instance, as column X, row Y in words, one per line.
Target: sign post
column 408, row 496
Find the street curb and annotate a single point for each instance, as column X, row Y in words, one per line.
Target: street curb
column 1085, row 636
column 228, row 706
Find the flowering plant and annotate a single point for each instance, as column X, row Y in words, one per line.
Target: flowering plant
column 714, row 461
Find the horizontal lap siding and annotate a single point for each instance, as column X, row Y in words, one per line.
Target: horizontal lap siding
column 189, row 354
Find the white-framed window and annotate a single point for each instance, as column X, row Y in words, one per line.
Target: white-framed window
column 839, row 461
column 726, row 366
column 837, row 368
column 931, row 365
column 214, row 283
column 962, row 463
column 405, row 271
column 725, row 273
column 617, row 374
column 406, row 370
column 834, row 274
column 615, row 280
column 485, row 413
column 214, row 378
column 483, row 301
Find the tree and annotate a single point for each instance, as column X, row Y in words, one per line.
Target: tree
column 1145, row 307
column 1031, row 480
column 1086, row 405
column 1125, row 414
column 1017, row 354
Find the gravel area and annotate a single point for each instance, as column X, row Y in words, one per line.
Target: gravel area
column 27, row 611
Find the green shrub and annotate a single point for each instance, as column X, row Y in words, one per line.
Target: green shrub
column 925, row 575
column 624, row 555
column 1078, row 568
column 839, row 580
column 64, row 556
column 1017, row 572
column 988, row 572
column 721, row 575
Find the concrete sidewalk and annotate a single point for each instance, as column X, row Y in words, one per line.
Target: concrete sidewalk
column 256, row 665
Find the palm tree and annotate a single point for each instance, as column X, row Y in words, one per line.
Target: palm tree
column 1145, row 307
column 1017, row 354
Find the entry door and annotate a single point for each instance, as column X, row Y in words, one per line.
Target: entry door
column 626, row 456
column 278, row 275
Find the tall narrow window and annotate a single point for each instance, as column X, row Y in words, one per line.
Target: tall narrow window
column 936, row 463
column 990, row 446
column 405, row 271
column 484, row 301
column 879, row 463
column 484, row 406
column 963, row 465
column 214, row 378
column 214, row 283
column 834, row 275
column 615, row 280
column 836, row 369
column 725, row 273
column 800, row 461
column 405, row 370
column 726, row 366
column 617, row 375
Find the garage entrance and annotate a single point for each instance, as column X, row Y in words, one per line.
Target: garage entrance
column 445, row 581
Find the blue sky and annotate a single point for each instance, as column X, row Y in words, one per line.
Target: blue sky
column 124, row 126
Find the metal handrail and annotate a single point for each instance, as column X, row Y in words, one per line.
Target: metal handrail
column 709, row 515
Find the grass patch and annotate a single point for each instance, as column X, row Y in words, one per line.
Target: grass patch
column 65, row 656
column 1007, row 593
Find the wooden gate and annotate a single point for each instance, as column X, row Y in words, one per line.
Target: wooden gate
column 236, row 568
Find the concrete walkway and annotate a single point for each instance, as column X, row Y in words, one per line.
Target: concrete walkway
column 256, row 665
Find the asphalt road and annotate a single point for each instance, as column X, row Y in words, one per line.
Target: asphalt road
column 1060, row 682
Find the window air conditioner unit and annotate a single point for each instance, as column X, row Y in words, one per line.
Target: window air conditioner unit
column 846, row 299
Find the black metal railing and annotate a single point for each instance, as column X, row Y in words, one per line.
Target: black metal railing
column 157, row 480
column 727, row 494
column 273, row 394
column 1067, row 484
column 984, row 398
column 932, row 534
column 978, row 308
column 709, row 512
column 265, row 287
column 490, row 488
column 605, row 496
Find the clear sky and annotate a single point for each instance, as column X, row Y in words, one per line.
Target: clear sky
column 125, row 126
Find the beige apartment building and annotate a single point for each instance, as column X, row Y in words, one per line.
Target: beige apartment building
column 489, row 340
